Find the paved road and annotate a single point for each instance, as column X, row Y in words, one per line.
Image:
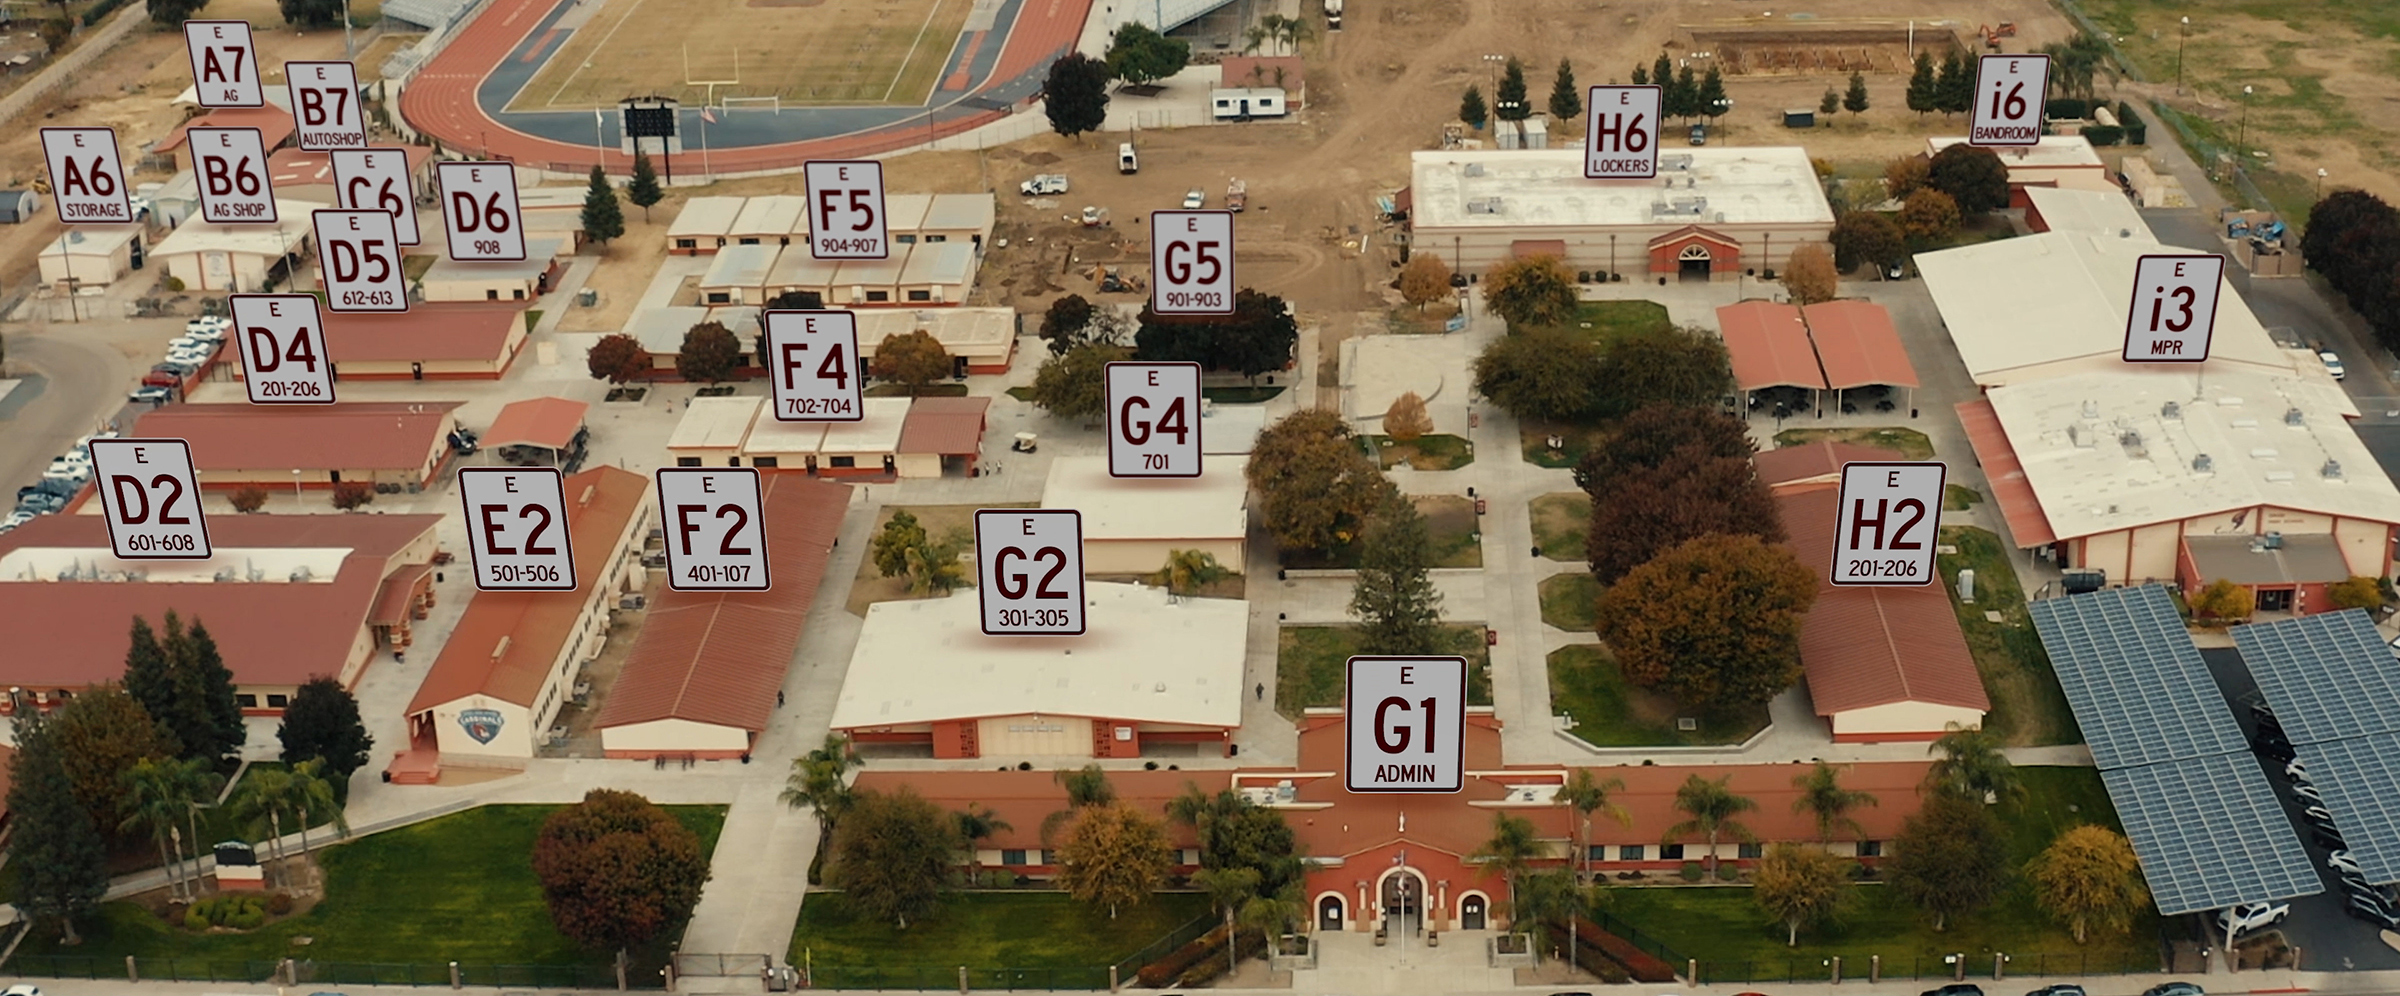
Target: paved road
column 83, row 385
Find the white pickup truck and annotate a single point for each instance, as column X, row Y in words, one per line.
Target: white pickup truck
column 1046, row 183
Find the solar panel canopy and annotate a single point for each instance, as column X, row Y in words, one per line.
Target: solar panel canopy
column 2210, row 833
column 2328, row 677
column 2360, row 780
column 2134, row 678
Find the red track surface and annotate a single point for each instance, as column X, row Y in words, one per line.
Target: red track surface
column 440, row 101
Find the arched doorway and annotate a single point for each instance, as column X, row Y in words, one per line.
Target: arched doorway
column 1329, row 912
column 1692, row 262
column 1471, row 912
column 1402, row 893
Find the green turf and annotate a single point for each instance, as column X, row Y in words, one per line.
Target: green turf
column 1610, row 712
column 1957, row 497
column 1725, row 929
column 1560, row 522
column 1534, row 435
column 1913, row 445
column 458, row 888
column 1436, row 452
column 1569, row 601
column 1309, row 665
column 1240, row 395
column 2027, row 706
column 1024, row 393
column 984, row 930
column 1452, row 529
column 928, row 391
column 1608, row 321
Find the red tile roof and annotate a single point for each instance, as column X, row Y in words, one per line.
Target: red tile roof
column 1857, row 344
column 2027, row 523
column 354, row 435
column 535, row 624
column 549, row 423
column 392, row 601
column 720, row 657
column 1769, row 346
column 274, row 125
column 1237, row 72
column 1818, row 459
column 68, row 634
column 1865, row 647
column 467, row 330
column 948, row 426
column 299, row 167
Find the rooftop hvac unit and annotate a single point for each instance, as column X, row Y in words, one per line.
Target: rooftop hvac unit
column 2091, row 410
column 2332, row 470
column 2292, row 416
column 2077, row 582
column 2170, row 410
column 2203, row 465
column 636, row 600
column 1474, row 169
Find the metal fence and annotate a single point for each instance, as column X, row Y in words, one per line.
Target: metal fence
column 322, row 972
column 947, row 977
column 1633, row 935
column 2203, row 152
column 1864, row 965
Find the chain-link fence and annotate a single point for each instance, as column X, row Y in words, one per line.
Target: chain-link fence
column 1865, row 965
column 302, row 972
column 928, row 978
column 2207, row 154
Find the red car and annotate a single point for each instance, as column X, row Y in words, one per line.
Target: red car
column 161, row 378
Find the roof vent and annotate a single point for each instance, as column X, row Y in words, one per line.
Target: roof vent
column 2091, row 410
column 2263, row 453
column 302, row 573
column 1160, row 688
column 1474, row 169
column 2132, row 441
column 2280, row 476
column 2244, row 423
column 2272, row 541
column 2229, row 401
column 500, row 649
column 2203, row 465
column 585, row 499
column 2292, row 416
column 2170, row 410
column 2081, row 439
column 2332, row 471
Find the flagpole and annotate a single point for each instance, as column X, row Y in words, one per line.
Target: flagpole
column 706, row 174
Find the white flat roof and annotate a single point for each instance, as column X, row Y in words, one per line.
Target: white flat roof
column 959, row 330
column 714, row 423
column 226, row 565
column 960, row 212
column 2092, row 478
column 93, row 240
column 770, row 436
column 1145, row 659
column 539, row 254
column 2042, row 299
column 661, row 329
column 706, row 216
column 774, row 214
column 1546, row 187
column 294, row 221
column 906, row 212
column 1214, row 505
column 742, row 266
column 2053, row 151
column 2089, row 212
column 801, row 268
column 951, row 263
column 878, row 432
column 871, row 272
column 1231, row 429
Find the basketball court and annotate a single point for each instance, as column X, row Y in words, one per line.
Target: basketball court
column 764, row 54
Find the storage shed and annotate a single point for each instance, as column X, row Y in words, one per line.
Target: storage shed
column 19, row 206
column 703, row 225
column 496, row 280
column 739, row 274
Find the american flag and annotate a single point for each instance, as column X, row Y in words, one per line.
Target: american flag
column 708, row 115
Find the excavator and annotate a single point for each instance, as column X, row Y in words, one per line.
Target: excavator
column 1992, row 36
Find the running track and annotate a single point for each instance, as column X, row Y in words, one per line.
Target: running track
column 441, row 101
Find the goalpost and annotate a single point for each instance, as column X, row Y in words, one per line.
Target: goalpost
column 732, row 104
column 712, row 85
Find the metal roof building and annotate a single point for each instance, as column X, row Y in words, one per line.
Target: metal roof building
column 1131, row 524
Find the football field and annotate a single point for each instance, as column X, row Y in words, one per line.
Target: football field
column 804, row 52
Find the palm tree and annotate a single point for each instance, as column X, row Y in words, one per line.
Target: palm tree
column 1274, row 915
column 1228, row 889
column 1821, row 793
column 1268, row 28
column 206, row 786
column 1972, row 765
column 265, row 794
column 1553, row 897
column 1513, row 847
column 1712, row 808
column 1293, row 31
column 1086, row 786
column 817, row 782
column 975, row 823
column 157, row 792
column 312, row 796
column 1188, row 571
column 1589, row 795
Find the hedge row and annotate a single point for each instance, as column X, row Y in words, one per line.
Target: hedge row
column 1641, row 965
column 1170, row 969
column 100, row 10
column 1590, row 957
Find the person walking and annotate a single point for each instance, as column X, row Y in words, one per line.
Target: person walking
column 1262, row 691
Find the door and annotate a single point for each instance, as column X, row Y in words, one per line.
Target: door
column 1470, row 913
column 2275, row 600
column 1329, row 913
column 416, row 371
column 1692, row 263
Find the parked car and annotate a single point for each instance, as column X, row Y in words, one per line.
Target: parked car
column 41, row 503
column 21, row 990
column 152, row 394
column 2058, row 990
column 1046, row 183
column 208, row 322
column 2297, row 771
column 2340, row 858
column 207, row 335
column 2310, row 793
column 195, row 355
column 2174, row 989
column 1955, row 989
column 15, row 519
column 2332, row 361
column 1699, row 134
column 161, row 378
column 2372, row 912
column 1193, row 199
column 2252, row 916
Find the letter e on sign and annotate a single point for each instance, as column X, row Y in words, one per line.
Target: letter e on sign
column 86, row 176
column 2008, row 100
column 224, row 64
column 479, row 210
column 845, row 210
column 2174, row 308
column 1407, row 724
column 1191, row 262
column 231, row 168
column 1029, row 571
column 377, row 180
column 812, row 366
column 151, row 498
column 1620, row 136
column 517, row 528
column 360, row 261
column 716, row 532
column 282, row 341
column 325, row 105
column 1884, row 531
column 1153, row 419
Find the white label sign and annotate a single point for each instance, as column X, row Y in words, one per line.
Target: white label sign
column 325, row 102
column 1153, row 420
column 1408, row 724
column 1620, row 136
column 86, row 177
column 377, row 180
column 480, row 210
column 716, row 534
column 232, row 168
column 1885, row 526
column 1029, row 571
column 1191, row 262
column 2008, row 100
column 151, row 497
column 361, row 261
column 813, row 368
column 282, row 340
column 2174, row 308
column 845, row 210
column 224, row 64
column 517, row 528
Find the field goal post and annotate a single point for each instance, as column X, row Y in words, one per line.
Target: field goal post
column 732, row 104
column 710, row 96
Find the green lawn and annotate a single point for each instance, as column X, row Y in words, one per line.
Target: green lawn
column 1608, row 321
column 1957, row 497
column 984, row 930
column 1534, row 437
column 1912, row 444
column 533, row 317
column 459, row 888
column 1610, row 712
column 1452, row 527
column 1024, row 393
column 1560, row 522
column 1735, row 942
column 414, row 265
column 1240, row 395
column 2027, row 706
column 928, row 391
column 1309, row 665
column 1436, row 452
column 1570, row 601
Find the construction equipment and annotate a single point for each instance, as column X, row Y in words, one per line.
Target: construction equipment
column 1237, row 194
column 1044, row 184
column 1333, row 15
column 1992, row 36
column 1094, row 217
column 1111, row 281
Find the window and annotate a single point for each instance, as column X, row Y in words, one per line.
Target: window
column 1870, row 849
column 278, row 701
column 763, row 461
column 1670, row 852
column 1750, row 850
column 845, row 461
column 1049, row 857
column 1631, row 852
column 920, row 295
column 1596, row 852
column 1013, row 857
column 937, row 238
column 719, row 297
column 687, row 461
column 518, row 293
column 906, row 240
column 246, row 700
column 687, row 243
column 879, row 295
column 748, row 241
column 733, row 461
column 491, row 294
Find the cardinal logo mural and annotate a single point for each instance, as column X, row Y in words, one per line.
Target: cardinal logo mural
column 482, row 724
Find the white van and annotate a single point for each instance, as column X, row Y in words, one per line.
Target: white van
column 1126, row 163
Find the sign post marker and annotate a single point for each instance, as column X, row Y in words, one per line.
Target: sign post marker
column 282, row 341
column 1885, row 527
column 2174, row 310
column 361, row 257
column 377, row 180
column 480, row 213
column 716, row 528
column 150, row 495
column 517, row 528
column 232, row 168
column 1407, row 724
column 1153, row 420
column 1620, row 133
column 87, row 177
column 224, row 64
column 813, row 369
column 1191, row 263
column 2008, row 100
column 1029, row 571
column 845, row 210
column 325, row 104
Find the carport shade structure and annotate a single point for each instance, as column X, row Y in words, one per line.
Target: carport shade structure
column 1769, row 346
column 2335, row 689
column 1858, row 347
column 548, row 423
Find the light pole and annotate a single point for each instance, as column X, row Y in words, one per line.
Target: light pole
column 2241, row 141
column 1492, row 65
column 349, row 42
column 2181, row 35
column 2320, row 184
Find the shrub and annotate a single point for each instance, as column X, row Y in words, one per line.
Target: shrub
column 2137, row 129
column 2067, row 109
column 249, row 498
column 279, row 904
column 2104, row 134
column 1690, row 871
column 349, row 495
column 174, row 285
column 195, row 918
column 1171, row 968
